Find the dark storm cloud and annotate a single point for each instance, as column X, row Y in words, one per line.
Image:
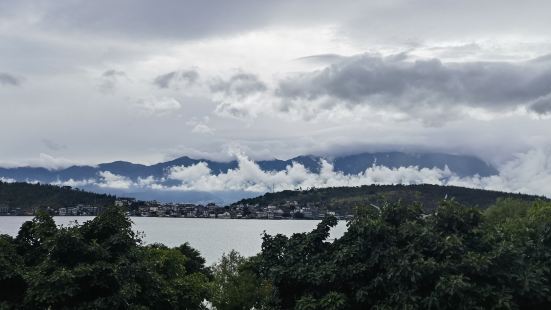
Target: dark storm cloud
column 239, row 85
column 8, row 79
column 192, row 19
column 109, row 80
column 542, row 105
column 405, row 84
column 141, row 18
column 113, row 73
column 186, row 77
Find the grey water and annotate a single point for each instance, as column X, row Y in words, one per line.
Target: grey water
column 212, row 237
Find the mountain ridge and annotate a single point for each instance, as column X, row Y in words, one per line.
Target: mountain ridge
column 87, row 176
column 463, row 165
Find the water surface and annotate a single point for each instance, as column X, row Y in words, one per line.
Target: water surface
column 211, row 237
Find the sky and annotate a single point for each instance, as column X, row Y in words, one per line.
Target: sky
column 146, row 81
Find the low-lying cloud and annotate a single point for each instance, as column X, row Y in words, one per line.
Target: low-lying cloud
column 159, row 105
column 528, row 172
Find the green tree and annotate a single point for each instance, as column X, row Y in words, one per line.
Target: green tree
column 400, row 257
column 100, row 264
column 236, row 286
column 33, row 237
column 12, row 269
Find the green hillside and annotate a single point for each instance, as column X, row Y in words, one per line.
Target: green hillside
column 342, row 198
column 27, row 197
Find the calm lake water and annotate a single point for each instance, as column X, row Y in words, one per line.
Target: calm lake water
column 212, row 237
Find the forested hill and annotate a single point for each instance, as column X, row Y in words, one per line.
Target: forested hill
column 30, row 196
column 345, row 197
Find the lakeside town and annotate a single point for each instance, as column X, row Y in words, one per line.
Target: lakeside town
column 290, row 210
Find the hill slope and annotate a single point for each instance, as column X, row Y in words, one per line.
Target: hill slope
column 30, row 196
column 344, row 198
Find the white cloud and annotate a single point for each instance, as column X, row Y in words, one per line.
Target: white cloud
column 111, row 180
column 189, row 174
column 75, row 183
column 200, row 125
column 144, row 182
column 202, row 128
column 50, row 162
column 160, row 105
column 249, row 177
column 528, row 173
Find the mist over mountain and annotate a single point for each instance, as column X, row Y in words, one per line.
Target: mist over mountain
column 163, row 181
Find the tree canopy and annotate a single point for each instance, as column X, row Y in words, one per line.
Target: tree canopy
column 27, row 196
column 398, row 256
column 454, row 257
column 100, row 264
column 343, row 199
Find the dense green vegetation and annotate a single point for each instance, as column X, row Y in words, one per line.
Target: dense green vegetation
column 397, row 256
column 28, row 196
column 346, row 198
column 100, row 264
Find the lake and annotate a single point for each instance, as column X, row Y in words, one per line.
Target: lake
column 212, row 237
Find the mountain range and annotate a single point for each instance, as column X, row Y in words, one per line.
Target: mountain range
column 461, row 165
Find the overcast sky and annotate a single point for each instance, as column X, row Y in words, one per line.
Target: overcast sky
column 146, row 81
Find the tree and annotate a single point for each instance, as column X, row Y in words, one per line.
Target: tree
column 454, row 257
column 12, row 269
column 100, row 264
column 33, row 237
column 235, row 285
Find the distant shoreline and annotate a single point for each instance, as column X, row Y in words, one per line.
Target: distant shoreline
column 182, row 217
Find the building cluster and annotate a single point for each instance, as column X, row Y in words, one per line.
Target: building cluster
column 7, row 210
column 288, row 210
column 78, row 210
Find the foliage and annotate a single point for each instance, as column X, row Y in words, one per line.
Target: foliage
column 399, row 257
column 395, row 256
column 344, row 199
column 100, row 264
column 28, row 196
column 236, row 286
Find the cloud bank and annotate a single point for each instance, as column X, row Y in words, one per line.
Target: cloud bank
column 432, row 90
column 418, row 88
column 528, row 172
column 408, row 84
column 143, row 81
